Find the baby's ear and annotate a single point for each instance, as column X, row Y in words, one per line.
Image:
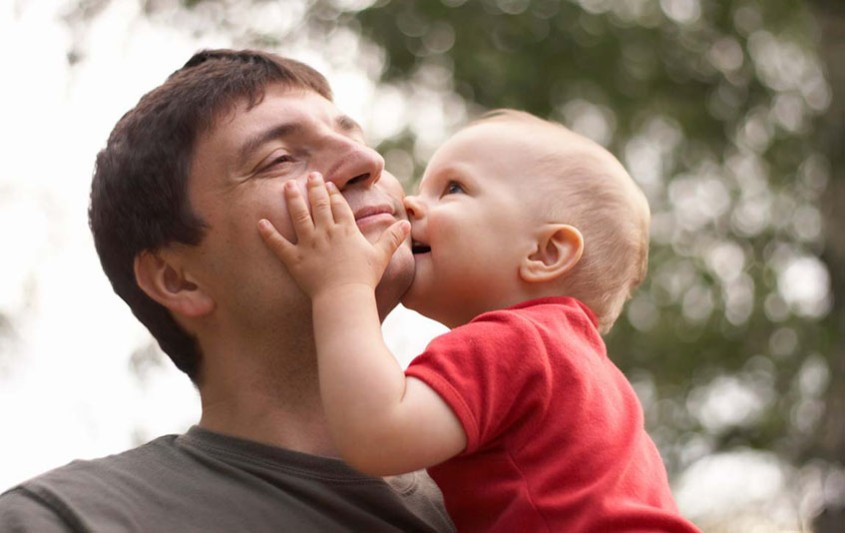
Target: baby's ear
column 559, row 248
column 161, row 277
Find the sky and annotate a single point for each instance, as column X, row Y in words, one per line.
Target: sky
column 67, row 389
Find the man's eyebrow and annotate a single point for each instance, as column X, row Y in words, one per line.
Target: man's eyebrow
column 279, row 131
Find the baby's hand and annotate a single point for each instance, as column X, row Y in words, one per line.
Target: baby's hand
column 330, row 251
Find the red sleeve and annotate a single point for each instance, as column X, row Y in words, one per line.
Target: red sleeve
column 493, row 372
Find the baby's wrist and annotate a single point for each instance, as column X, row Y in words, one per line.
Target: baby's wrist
column 343, row 290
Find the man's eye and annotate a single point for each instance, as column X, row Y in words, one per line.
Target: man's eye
column 277, row 161
column 281, row 159
column 454, row 187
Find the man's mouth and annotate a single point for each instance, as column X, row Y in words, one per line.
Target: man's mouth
column 373, row 213
column 420, row 248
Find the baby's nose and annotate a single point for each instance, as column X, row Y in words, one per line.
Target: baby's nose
column 413, row 206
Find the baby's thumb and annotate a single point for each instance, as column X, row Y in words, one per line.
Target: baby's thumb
column 394, row 237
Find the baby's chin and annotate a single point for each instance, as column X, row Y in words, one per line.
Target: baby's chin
column 395, row 281
column 410, row 299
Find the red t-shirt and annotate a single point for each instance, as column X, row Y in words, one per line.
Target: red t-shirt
column 555, row 435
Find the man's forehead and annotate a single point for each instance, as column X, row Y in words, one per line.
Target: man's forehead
column 275, row 99
column 282, row 112
column 285, row 104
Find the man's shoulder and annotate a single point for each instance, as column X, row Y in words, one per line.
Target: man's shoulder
column 102, row 471
column 54, row 500
column 201, row 481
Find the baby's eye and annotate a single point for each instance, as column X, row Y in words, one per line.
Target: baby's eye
column 453, row 187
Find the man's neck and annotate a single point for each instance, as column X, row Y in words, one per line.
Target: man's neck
column 262, row 402
column 299, row 432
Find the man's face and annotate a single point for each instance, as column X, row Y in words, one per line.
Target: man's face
column 237, row 175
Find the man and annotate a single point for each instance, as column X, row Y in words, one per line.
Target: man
column 175, row 199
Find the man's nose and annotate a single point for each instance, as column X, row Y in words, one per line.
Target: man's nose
column 353, row 164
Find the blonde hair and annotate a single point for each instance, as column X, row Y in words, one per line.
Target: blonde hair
column 587, row 187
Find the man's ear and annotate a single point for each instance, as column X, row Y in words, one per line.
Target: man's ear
column 163, row 280
column 559, row 248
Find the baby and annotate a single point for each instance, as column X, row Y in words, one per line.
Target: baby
column 528, row 239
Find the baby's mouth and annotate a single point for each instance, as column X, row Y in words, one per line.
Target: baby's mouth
column 420, row 248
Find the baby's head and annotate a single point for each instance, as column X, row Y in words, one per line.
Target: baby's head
column 513, row 207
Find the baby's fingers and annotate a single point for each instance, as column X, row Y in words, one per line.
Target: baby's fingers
column 279, row 245
column 298, row 210
column 318, row 197
column 340, row 208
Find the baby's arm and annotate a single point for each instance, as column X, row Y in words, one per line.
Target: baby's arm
column 382, row 422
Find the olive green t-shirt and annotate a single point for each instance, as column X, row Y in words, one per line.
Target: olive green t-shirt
column 205, row 481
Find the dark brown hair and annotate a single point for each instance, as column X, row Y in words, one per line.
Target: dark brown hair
column 139, row 194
